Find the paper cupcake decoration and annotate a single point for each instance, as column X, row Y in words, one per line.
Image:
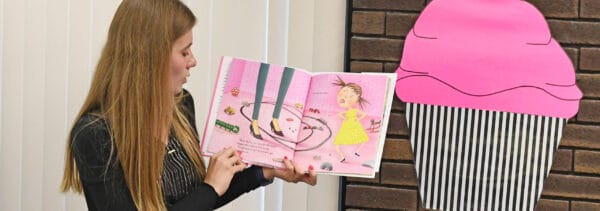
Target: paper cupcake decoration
column 488, row 91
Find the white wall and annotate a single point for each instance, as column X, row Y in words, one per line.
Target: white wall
column 48, row 50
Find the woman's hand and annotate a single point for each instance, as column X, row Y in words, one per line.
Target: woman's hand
column 292, row 173
column 221, row 169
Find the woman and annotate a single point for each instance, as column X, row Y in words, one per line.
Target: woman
column 134, row 144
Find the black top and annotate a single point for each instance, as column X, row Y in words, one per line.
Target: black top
column 105, row 188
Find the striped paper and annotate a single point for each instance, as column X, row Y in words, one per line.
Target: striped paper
column 470, row 159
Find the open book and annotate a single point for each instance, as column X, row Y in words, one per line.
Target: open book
column 335, row 122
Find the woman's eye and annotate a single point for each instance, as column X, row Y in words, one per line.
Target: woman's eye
column 185, row 54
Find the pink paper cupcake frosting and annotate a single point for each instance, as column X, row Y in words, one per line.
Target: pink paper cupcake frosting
column 482, row 57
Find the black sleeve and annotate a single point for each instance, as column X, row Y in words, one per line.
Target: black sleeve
column 205, row 197
column 103, row 185
column 241, row 183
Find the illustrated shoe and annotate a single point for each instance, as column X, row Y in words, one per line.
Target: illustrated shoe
column 357, row 155
column 343, row 159
column 279, row 133
column 257, row 136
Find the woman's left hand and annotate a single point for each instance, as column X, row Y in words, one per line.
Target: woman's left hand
column 292, row 173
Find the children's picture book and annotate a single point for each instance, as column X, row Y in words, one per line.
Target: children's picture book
column 334, row 123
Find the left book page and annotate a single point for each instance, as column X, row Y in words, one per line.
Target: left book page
column 269, row 95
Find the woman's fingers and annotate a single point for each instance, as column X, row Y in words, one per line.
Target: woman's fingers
column 293, row 173
column 227, row 156
column 235, row 158
column 223, row 165
column 229, row 152
column 226, row 149
column 239, row 167
column 299, row 175
column 310, row 178
column 288, row 164
column 235, row 163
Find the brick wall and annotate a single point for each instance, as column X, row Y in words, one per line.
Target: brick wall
column 375, row 39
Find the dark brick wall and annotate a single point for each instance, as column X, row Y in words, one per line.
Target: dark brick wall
column 376, row 36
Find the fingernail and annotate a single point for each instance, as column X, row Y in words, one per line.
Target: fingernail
column 311, row 168
column 239, row 153
column 285, row 157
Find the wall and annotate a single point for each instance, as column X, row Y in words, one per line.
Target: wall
column 48, row 50
column 378, row 29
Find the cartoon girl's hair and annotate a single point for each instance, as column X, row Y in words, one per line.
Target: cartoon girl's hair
column 355, row 87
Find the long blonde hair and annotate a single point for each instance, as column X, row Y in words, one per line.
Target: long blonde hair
column 131, row 91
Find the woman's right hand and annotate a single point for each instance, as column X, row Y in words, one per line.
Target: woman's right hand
column 221, row 169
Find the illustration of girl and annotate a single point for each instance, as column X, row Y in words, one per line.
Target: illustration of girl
column 351, row 131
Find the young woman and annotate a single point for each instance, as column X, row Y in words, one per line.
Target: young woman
column 134, row 144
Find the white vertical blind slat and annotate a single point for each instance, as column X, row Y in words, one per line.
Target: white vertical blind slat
column 12, row 107
column 329, row 42
column 278, row 31
column 79, row 69
column 1, row 63
column 301, row 34
column 33, row 105
column 55, row 106
column 200, row 81
column 239, row 29
column 102, row 13
column 79, row 64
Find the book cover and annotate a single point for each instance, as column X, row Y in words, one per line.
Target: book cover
column 335, row 122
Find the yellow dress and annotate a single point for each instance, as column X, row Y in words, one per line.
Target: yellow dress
column 351, row 131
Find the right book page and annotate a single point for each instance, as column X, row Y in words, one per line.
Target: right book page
column 344, row 123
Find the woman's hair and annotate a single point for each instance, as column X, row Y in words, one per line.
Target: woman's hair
column 355, row 87
column 131, row 90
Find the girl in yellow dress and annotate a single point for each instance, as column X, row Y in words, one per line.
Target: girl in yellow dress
column 351, row 131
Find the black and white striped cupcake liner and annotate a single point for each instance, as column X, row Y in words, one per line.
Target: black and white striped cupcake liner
column 471, row 159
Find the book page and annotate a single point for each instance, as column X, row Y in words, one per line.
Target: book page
column 344, row 123
column 250, row 91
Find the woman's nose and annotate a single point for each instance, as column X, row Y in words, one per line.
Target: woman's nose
column 192, row 62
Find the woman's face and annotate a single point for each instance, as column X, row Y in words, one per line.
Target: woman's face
column 182, row 59
column 347, row 97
